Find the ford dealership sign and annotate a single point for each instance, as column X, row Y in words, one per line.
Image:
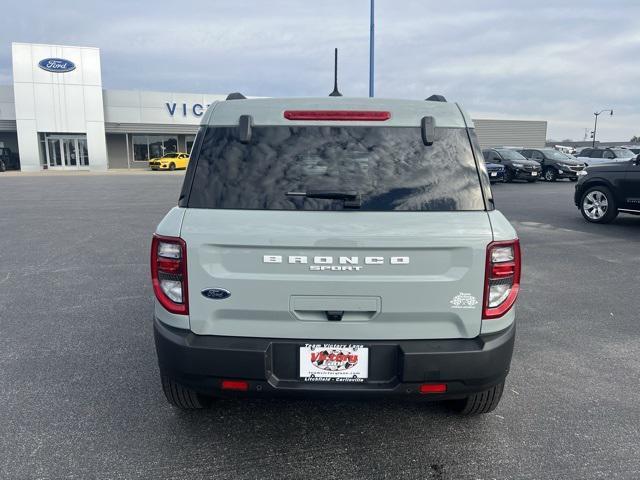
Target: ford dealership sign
column 56, row 65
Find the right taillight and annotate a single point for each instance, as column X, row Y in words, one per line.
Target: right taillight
column 502, row 278
column 169, row 273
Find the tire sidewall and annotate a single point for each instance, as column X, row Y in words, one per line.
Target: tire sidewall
column 612, row 209
column 552, row 175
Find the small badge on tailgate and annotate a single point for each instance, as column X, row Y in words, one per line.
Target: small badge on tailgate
column 216, row 293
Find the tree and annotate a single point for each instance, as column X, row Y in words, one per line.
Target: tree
column 635, row 139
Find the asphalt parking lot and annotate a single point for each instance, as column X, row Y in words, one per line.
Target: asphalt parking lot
column 80, row 395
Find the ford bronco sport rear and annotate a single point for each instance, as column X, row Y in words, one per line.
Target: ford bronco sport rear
column 333, row 245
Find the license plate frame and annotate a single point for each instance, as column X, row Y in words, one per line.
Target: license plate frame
column 340, row 363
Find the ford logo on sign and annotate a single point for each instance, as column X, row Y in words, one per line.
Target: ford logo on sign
column 216, row 293
column 56, row 65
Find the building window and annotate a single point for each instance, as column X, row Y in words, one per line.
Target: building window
column 146, row 147
column 188, row 141
column 140, row 148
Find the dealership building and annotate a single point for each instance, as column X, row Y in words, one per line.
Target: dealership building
column 57, row 116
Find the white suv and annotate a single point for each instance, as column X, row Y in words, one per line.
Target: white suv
column 334, row 245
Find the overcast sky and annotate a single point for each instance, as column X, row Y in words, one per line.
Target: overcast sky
column 552, row 60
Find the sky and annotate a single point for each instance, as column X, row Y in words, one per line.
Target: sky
column 558, row 61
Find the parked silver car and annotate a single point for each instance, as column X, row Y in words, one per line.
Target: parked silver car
column 597, row 156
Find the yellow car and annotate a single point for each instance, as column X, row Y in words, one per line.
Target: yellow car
column 170, row 161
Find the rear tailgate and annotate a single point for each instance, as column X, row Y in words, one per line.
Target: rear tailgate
column 390, row 275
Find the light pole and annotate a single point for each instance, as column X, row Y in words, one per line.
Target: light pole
column 371, row 47
column 595, row 125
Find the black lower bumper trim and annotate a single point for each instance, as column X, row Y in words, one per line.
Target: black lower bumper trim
column 395, row 367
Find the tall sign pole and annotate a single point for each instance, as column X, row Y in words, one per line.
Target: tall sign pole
column 371, row 47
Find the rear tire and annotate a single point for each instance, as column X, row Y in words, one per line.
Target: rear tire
column 182, row 397
column 479, row 403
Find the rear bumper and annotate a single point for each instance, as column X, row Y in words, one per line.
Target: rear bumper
column 271, row 366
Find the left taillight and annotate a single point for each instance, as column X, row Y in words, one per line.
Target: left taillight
column 502, row 278
column 169, row 273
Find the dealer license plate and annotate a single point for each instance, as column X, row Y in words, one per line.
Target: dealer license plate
column 494, row 174
column 534, row 174
column 334, row 363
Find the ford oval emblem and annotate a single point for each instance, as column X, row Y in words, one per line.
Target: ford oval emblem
column 56, row 65
column 216, row 293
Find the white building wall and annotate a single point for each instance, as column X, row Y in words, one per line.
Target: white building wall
column 163, row 108
column 69, row 102
column 515, row 133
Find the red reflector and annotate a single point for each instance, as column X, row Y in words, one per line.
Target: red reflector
column 433, row 388
column 239, row 385
column 337, row 115
column 169, row 265
column 503, row 269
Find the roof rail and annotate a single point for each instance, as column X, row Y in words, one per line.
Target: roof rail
column 436, row 98
column 236, row 96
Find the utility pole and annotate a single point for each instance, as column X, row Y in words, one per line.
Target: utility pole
column 371, row 47
column 595, row 124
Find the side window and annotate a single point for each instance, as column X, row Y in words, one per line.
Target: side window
column 536, row 156
column 608, row 154
column 586, row 152
column 525, row 153
column 596, row 154
column 487, row 155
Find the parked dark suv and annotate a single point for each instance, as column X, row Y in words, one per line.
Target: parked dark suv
column 555, row 164
column 516, row 166
column 608, row 189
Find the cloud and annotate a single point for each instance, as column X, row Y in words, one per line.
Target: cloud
column 502, row 59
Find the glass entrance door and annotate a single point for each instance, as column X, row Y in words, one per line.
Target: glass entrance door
column 54, row 154
column 66, row 151
column 69, row 147
column 83, row 153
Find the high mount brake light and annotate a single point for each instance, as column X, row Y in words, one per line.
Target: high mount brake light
column 338, row 115
column 169, row 273
column 502, row 278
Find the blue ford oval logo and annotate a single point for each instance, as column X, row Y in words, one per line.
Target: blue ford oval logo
column 56, row 65
column 216, row 293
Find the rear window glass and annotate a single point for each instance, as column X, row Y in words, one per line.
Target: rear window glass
column 388, row 167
